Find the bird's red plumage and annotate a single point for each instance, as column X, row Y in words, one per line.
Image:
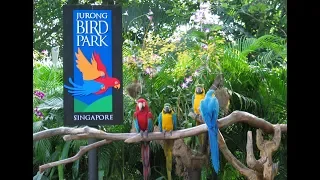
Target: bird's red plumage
column 143, row 115
column 145, row 155
column 100, row 65
column 107, row 81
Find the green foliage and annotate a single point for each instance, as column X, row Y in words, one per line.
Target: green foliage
column 253, row 18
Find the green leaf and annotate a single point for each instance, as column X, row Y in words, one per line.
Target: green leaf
column 160, row 178
column 101, row 174
column 198, row 34
column 176, row 11
column 52, row 103
column 40, row 176
column 64, row 155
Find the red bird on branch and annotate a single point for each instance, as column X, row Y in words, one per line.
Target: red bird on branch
column 143, row 124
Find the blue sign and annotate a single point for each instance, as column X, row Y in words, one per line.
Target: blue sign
column 92, row 65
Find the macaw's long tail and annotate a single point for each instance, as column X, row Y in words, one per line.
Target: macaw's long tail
column 145, row 153
column 214, row 148
column 168, row 147
column 200, row 136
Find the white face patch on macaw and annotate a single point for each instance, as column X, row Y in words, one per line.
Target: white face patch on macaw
column 140, row 106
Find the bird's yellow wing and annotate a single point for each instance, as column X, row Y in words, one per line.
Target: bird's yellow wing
column 89, row 71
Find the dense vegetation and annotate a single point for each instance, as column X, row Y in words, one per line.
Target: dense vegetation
column 169, row 46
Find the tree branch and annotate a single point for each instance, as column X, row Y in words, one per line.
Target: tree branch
column 87, row 132
column 82, row 150
column 102, row 135
column 267, row 148
column 244, row 117
column 236, row 116
column 249, row 173
column 252, row 162
column 62, row 131
column 175, row 134
column 252, row 120
column 218, row 82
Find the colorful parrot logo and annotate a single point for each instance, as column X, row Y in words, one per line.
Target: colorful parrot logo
column 95, row 78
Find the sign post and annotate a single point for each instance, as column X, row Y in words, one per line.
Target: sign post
column 93, row 161
column 92, row 69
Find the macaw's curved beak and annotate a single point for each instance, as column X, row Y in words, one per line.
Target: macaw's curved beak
column 117, row 86
column 140, row 106
column 198, row 90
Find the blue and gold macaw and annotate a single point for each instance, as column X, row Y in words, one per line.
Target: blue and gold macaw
column 167, row 120
column 209, row 108
column 198, row 95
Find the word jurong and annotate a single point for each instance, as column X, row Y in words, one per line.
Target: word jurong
column 92, row 15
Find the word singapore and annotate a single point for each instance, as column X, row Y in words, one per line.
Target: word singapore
column 92, row 117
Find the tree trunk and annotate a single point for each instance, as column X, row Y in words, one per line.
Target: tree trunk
column 194, row 174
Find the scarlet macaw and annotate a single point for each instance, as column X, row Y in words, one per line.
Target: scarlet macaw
column 95, row 76
column 209, row 108
column 167, row 120
column 198, row 95
column 143, row 124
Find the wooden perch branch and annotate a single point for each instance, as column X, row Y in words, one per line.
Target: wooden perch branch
column 267, row 148
column 251, row 160
column 87, row 132
column 263, row 168
column 100, row 135
column 237, row 116
column 258, row 169
column 82, row 150
column 249, row 173
column 184, row 157
column 62, row 131
column 244, row 117
column 175, row 134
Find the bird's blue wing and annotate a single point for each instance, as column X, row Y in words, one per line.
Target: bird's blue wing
column 150, row 125
column 174, row 117
column 87, row 88
column 192, row 101
column 160, row 121
column 209, row 108
column 213, row 133
column 214, row 104
column 206, row 112
column 136, row 125
column 214, row 148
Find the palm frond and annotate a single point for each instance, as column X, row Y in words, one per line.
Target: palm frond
column 52, row 103
column 37, row 126
column 77, row 143
column 40, row 176
column 245, row 102
column 42, row 150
